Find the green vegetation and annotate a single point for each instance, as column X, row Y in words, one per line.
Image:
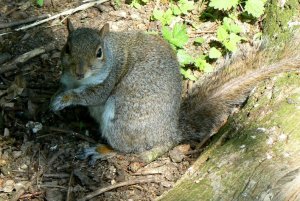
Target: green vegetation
column 228, row 16
column 40, row 2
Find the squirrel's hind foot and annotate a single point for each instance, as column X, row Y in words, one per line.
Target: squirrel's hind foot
column 100, row 152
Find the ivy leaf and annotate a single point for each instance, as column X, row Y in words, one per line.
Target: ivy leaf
column 222, row 34
column 223, row 5
column 188, row 74
column 255, row 7
column 184, row 58
column 178, row 36
column 214, row 53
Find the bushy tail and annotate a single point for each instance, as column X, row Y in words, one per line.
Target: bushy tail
column 212, row 101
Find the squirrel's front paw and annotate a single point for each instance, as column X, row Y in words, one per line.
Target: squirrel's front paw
column 60, row 101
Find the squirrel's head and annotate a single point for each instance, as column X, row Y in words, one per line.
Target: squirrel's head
column 83, row 55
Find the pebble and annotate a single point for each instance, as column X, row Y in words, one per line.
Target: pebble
column 16, row 154
column 178, row 153
column 135, row 16
column 8, row 186
column 135, row 166
column 119, row 13
column 6, row 132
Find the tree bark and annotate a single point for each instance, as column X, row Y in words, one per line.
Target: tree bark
column 256, row 155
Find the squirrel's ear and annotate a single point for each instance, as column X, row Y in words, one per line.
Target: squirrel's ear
column 104, row 30
column 70, row 26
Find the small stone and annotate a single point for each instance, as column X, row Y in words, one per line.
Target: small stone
column 5, row 170
column 135, row 166
column 176, row 155
column 8, row 186
column 6, row 132
column 16, row 154
column 184, row 148
column 24, row 167
column 119, row 13
column 135, row 16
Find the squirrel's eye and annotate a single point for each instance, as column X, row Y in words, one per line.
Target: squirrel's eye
column 99, row 53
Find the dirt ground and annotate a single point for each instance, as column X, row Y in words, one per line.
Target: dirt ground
column 39, row 148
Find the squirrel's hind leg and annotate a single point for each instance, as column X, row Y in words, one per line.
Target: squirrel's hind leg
column 100, row 152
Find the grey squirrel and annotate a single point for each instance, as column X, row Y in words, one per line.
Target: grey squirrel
column 131, row 84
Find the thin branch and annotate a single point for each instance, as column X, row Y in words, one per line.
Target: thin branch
column 83, row 137
column 67, row 12
column 125, row 183
column 25, row 21
column 12, row 65
column 69, row 187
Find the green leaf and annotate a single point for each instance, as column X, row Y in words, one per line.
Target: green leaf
column 167, row 17
column 167, row 33
column 164, row 17
column 214, row 53
column 199, row 40
column 188, row 74
column 185, row 6
column 184, row 58
column 158, row 14
column 255, row 7
column 222, row 34
column 136, row 4
column 202, row 64
column 231, row 43
column 176, row 11
column 178, row 36
column 230, row 26
column 223, row 5
column 40, row 2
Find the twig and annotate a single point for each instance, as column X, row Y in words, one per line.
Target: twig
column 53, row 186
column 88, row 139
column 60, row 175
column 25, row 21
column 69, row 187
column 21, row 191
column 67, row 12
column 12, row 65
column 125, row 183
column 30, row 195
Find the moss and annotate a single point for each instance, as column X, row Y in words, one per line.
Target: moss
column 277, row 18
column 243, row 164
